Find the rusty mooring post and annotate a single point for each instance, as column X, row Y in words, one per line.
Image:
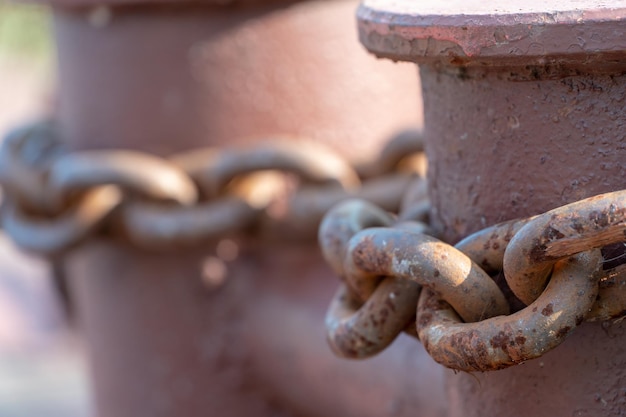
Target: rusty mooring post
column 524, row 112
column 167, row 336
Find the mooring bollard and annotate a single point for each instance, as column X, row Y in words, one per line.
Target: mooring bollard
column 230, row 326
column 524, row 112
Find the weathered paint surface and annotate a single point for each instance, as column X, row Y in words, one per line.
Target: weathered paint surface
column 523, row 113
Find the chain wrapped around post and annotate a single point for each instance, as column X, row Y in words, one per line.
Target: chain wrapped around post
column 396, row 277
column 54, row 199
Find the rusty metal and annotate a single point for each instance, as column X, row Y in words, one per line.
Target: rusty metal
column 417, row 257
column 455, row 321
column 213, row 169
column 611, row 296
column 365, row 316
column 49, row 236
column 397, row 152
column 594, row 222
column 153, row 225
column 416, row 204
column 358, row 326
column 145, row 175
column 341, row 223
column 242, row 190
column 523, row 109
column 504, row 341
column 486, row 247
column 304, row 210
column 25, row 157
column 360, row 330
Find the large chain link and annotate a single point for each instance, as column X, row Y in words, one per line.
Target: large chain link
column 54, row 199
column 397, row 276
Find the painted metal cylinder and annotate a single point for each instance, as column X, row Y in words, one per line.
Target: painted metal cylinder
column 524, row 112
column 164, row 340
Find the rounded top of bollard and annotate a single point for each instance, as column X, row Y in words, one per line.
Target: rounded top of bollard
column 478, row 32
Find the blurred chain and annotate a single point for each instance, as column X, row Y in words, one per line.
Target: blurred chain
column 552, row 263
column 53, row 199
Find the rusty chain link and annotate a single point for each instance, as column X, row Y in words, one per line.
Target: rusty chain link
column 53, row 199
column 397, row 276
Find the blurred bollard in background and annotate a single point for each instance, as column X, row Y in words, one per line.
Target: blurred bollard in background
column 167, row 78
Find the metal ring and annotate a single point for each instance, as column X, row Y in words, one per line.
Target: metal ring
column 341, row 223
column 357, row 330
column 25, row 156
column 383, row 252
column 404, row 144
column 504, row 341
column 53, row 235
column 611, row 301
column 157, row 224
column 407, row 260
column 303, row 211
column 487, row 246
column 213, row 170
column 144, row 174
column 587, row 224
column 151, row 225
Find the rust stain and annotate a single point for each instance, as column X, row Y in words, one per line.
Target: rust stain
column 500, row 340
column 368, row 258
column 547, row 310
column 424, row 319
column 578, row 226
column 563, row 332
column 391, row 305
column 599, row 218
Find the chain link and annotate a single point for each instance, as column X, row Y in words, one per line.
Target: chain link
column 397, row 276
column 552, row 262
column 54, row 199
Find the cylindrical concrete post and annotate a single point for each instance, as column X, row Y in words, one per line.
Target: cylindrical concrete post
column 524, row 112
column 170, row 77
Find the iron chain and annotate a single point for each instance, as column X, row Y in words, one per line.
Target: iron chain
column 54, row 199
column 398, row 276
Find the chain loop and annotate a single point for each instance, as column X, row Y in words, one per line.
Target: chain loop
column 213, row 169
column 503, row 341
column 362, row 256
column 42, row 235
column 587, row 224
column 454, row 318
column 145, row 175
column 417, row 257
column 54, row 198
column 25, row 157
column 341, row 223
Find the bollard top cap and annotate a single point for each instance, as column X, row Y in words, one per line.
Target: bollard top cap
column 478, row 32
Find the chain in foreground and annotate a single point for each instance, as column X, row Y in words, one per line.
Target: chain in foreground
column 398, row 277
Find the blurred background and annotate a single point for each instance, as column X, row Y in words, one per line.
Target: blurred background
column 42, row 364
